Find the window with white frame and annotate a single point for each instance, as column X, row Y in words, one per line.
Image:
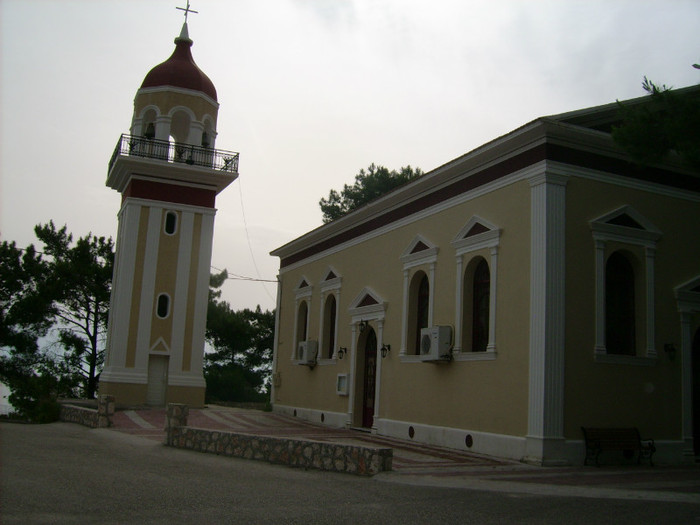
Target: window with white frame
column 302, row 294
column 625, row 248
column 328, row 330
column 476, row 250
column 419, row 256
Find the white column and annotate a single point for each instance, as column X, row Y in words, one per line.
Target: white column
column 687, row 382
column 351, row 379
column 404, row 313
column 547, row 318
column 432, row 294
column 599, row 348
column 378, row 371
column 459, row 299
column 491, row 347
column 651, row 318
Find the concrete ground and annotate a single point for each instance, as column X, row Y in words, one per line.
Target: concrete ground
column 65, row 473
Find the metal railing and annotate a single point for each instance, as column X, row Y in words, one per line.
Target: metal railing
column 215, row 159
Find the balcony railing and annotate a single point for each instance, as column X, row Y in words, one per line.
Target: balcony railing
column 215, row 159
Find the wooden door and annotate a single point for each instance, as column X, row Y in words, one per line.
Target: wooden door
column 369, row 379
column 157, row 380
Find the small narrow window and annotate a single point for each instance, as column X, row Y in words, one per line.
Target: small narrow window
column 163, row 306
column 170, row 222
column 619, row 306
column 480, row 307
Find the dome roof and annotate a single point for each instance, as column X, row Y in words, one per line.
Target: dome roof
column 180, row 70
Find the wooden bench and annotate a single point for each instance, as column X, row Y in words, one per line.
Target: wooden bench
column 626, row 440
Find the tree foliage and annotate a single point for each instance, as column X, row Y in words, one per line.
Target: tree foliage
column 238, row 367
column 61, row 294
column 667, row 122
column 369, row 185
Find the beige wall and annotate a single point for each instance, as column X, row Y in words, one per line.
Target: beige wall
column 490, row 395
column 604, row 394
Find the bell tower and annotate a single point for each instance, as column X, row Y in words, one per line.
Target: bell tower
column 168, row 173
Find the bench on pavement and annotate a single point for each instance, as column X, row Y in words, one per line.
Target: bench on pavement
column 626, row 440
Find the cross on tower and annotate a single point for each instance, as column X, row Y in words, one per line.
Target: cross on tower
column 187, row 10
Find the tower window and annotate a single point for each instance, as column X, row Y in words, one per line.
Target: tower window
column 170, row 222
column 163, row 306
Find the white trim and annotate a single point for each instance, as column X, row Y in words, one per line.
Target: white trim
column 191, row 379
column 425, row 256
column 688, row 305
column 502, row 182
column 182, row 281
column 331, row 419
column 168, row 305
column 183, row 91
column 604, row 232
column 172, row 206
column 148, row 284
column 465, row 246
column 547, row 317
column 201, row 293
column 160, row 340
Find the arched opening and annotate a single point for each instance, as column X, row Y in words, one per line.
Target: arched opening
column 302, row 321
column 418, row 310
column 481, row 290
column 620, row 309
column 329, row 325
column 369, row 376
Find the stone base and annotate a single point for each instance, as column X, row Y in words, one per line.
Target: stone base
column 133, row 394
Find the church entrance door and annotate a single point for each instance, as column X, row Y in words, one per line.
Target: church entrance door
column 157, row 380
column 369, row 379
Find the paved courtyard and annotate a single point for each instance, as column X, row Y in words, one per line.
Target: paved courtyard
column 419, row 464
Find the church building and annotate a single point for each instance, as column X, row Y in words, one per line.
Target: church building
column 168, row 174
column 538, row 284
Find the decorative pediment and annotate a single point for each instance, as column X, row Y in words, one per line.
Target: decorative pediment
column 625, row 224
column 160, row 346
column 477, row 233
column 331, row 280
column 419, row 251
column 688, row 295
column 303, row 288
column 368, row 304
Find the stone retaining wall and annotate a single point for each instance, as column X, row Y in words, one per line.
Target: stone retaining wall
column 335, row 457
column 89, row 417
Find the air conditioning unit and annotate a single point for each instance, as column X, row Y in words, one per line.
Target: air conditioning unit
column 436, row 343
column 307, row 352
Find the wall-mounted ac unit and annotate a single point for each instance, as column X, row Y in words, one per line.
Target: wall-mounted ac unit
column 436, row 343
column 307, row 352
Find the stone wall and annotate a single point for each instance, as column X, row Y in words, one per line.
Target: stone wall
column 294, row 452
column 89, row 417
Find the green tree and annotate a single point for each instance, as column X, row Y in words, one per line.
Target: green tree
column 668, row 121
column 81, row 279
column 61, row 294
column 369, row 185
column 35, row 376
column 238, row 367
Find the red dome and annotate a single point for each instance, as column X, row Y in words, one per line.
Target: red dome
column 180, row 71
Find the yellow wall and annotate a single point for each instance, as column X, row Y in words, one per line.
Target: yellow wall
column 491, row 395
column 603, row 394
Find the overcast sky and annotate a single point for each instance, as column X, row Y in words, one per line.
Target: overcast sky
column 310, row 92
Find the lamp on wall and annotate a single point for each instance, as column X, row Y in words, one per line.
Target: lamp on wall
column 363, row 325
column 342, row 351
column 385, row 350
column 670, row 349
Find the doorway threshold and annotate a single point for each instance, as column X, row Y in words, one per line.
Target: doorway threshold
column 362, row 429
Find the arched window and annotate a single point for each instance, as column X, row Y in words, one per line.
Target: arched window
column 419, row 310
column 163, row 306
column 170, row 222
column 481, row 288
column 329, row 324
column 619, row 305
column 302, row 318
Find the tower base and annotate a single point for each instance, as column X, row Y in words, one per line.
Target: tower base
column 134, row 394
